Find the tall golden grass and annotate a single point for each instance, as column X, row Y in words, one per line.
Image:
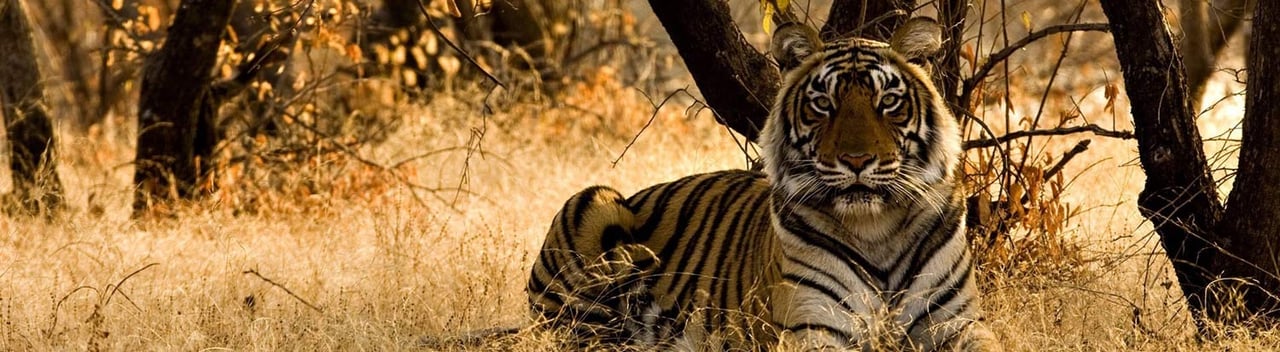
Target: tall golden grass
column 384, row 270
column 372, row 263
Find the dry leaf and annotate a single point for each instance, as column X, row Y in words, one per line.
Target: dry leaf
column 452, row 8
column 1111, row 92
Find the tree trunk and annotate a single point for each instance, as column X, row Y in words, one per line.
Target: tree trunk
column 872, row 19
column 1179, row 197
column 1250, row 229
column 36, row 186
column 175, row 108
column 738, row 82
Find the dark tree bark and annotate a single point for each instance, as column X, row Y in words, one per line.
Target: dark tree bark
column 738, row 82
column 176, row 107
column 877, row 19
column 1250, row 230
column 36, row 186
column 1180, row 196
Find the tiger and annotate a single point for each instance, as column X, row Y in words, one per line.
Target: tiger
column 852, row 236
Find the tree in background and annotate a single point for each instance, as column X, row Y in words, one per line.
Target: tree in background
column 36, row 187
column 175, row 108
column 1207, row 26
column 1227, row 258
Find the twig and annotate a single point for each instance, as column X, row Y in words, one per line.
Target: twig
column 1053, row 77
column 54, row 325
column 268, row 54
column 1002, row 55
column 435, row 29
column 345, row 149
column 1066, row 157
column 877, row 20
column 1095, row 129
column 656, row 109
column 120, row 283
column 286, row 289
column 117, row 20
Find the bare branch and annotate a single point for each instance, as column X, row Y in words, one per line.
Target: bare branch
column 270, row 53
column 436, row 29
column 286, row 289
column 1066, row 158
column 656, row 108
column 1002, row 55
column 1095, row 129
column 53, row 326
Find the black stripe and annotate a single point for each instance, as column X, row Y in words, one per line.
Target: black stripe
column 701, row 247
column 757, row 248
column 613, row 236
column 731, row 252
column 683, row 216
column 585, row 197
column 850, row 256
column 823, row 289
column 964, row 306
column 817, row 270
column 942, row 231
column 941, row 300
column 659, row 210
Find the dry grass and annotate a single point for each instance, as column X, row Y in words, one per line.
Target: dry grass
column 384, row 272
column 380, row 271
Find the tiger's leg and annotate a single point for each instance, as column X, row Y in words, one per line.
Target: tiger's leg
column 977, row 338
column 959, row 334
column 588, row 273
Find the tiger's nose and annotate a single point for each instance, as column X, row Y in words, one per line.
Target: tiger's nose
column 857, row 162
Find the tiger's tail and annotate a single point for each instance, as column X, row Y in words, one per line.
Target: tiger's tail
column 589, row 273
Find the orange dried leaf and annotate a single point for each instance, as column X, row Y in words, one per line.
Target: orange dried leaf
column 452, row 8
column 1111, row 92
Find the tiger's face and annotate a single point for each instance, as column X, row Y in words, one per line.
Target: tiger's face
column 857, row 127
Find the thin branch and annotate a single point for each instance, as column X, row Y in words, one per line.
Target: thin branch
column 54, row 325
column 1095, row 129
column 286, row 289
column 121, row 282
column 268, row 54
column 1002, row 55
column 656, row 109
column 1066, row 158
column 354, row 155
column 435, row 29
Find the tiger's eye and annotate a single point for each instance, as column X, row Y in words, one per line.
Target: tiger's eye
column 822, row 104
column 888, row 101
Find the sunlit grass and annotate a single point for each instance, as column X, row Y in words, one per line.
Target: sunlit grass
column 382, row 271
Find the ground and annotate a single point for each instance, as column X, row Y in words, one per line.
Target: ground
column 380, row 268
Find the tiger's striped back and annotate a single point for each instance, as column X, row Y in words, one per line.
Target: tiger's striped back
column 675, row 253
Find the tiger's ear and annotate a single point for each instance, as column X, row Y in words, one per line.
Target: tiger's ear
column 918, row 40
column 792, row 43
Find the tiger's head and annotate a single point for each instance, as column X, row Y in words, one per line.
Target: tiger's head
column 857, row 126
